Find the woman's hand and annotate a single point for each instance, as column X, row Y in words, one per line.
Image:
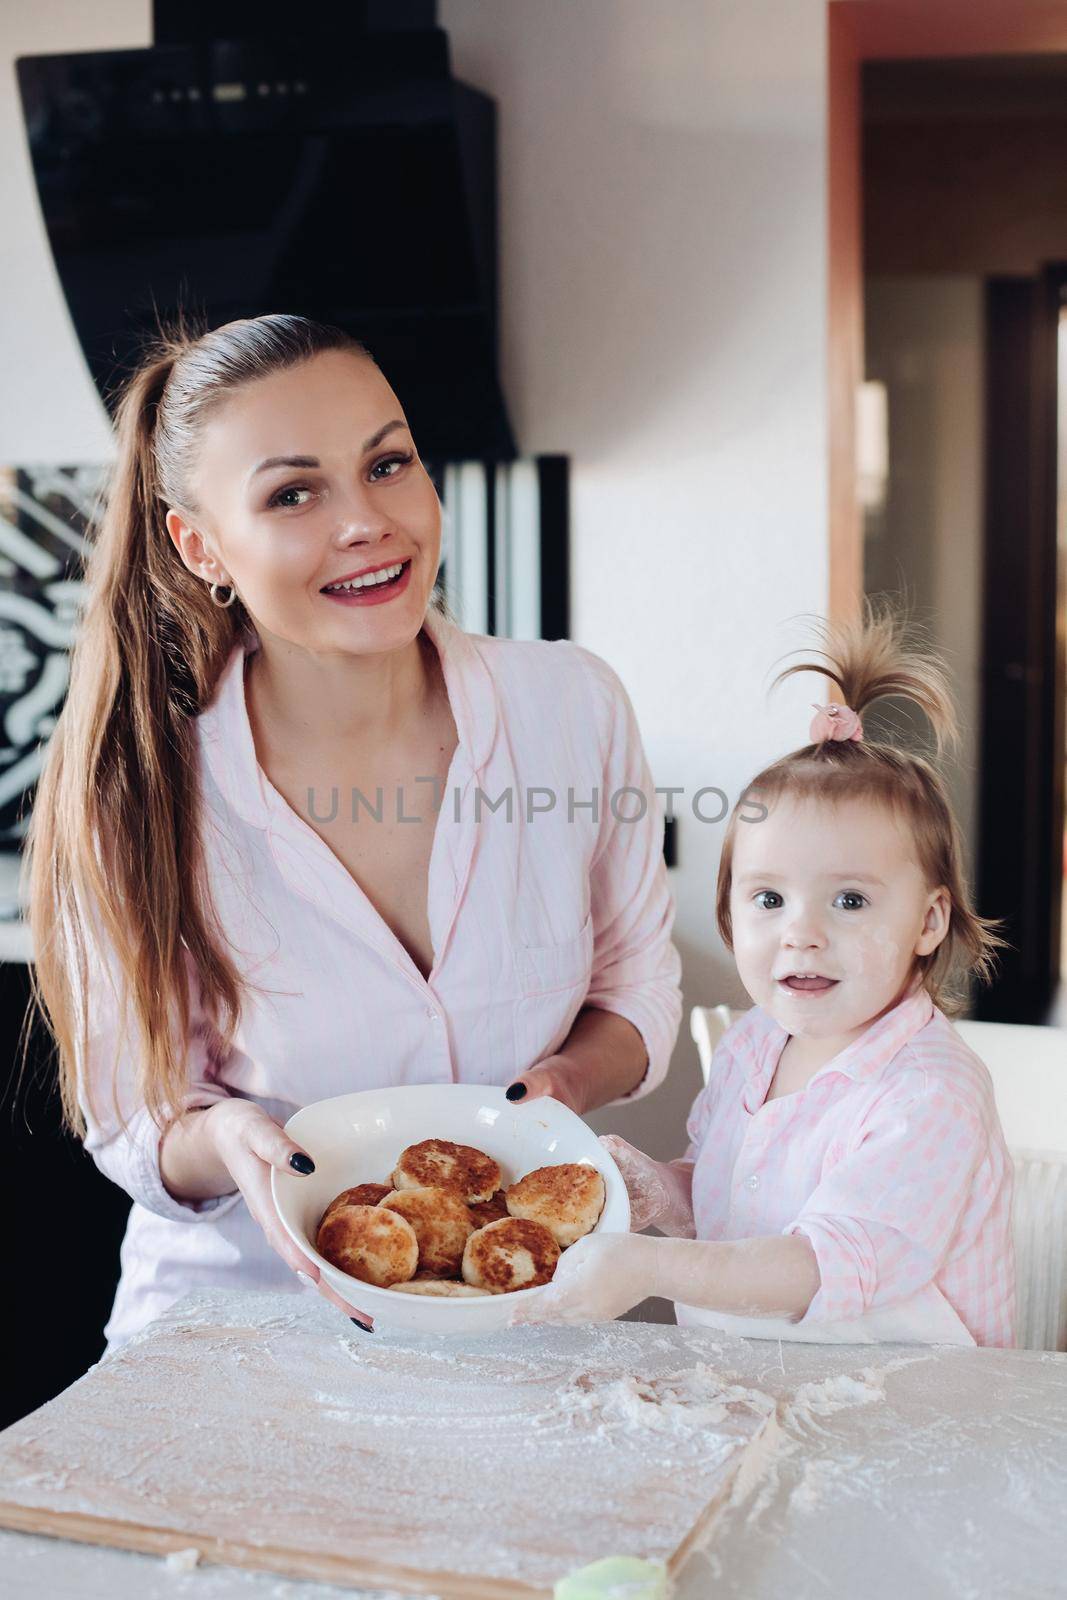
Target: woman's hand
column 597, row 1279
column 249, row 1143
column 661, row 1192
column 603, row 1058
column 555, row 1076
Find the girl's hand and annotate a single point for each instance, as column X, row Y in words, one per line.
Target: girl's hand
column 646, row 1189
column 249, row 1143
column 661, row 1192
column 597, row 1279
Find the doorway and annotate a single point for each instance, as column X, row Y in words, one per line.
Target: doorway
column 962, row 218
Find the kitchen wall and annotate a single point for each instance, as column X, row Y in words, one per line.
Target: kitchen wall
column 663, row 217
column 663, row 222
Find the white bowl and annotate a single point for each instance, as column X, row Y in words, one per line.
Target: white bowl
column 357, row 1138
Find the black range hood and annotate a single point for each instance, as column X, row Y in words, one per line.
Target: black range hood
column 257, row 158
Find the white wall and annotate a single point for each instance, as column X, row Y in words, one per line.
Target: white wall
column 663, row 262
column 664, row 282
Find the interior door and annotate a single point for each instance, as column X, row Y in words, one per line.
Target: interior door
column 1020, row 850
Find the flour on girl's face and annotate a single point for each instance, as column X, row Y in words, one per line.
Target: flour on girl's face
column 834, row 890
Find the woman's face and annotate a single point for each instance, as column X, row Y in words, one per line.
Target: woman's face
column 307, row 477
column 829, row 909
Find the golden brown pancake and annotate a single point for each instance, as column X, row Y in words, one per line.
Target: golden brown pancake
column 364, row 1194
column 567, row 1199
column 369, row 1243
column 442, row 1226
column 437, row 1162
column 442, row 1287
column 510, row 1254
column 490, row 1210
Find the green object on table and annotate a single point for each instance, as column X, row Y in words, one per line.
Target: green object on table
column 616, row 1578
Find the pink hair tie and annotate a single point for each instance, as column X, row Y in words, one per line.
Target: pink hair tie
column 835, row 722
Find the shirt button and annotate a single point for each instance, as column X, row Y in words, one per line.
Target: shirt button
column 753, row 1182
column 431, row 1013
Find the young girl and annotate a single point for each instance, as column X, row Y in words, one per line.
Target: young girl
column 847, row 1176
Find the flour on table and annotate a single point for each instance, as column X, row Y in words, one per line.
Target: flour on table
column 782, row 1440
column 678, row 1403
column 823, row 1398
column 618, row 1436
column 617, row 1442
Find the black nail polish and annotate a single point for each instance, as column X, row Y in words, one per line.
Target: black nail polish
column 301, row 1163
column 516, row 1092
column 364, row 1325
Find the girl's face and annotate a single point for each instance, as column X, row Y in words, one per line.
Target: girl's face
column 830, row 910
column 307, row 477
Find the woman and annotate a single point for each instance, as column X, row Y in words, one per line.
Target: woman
column 274, row 814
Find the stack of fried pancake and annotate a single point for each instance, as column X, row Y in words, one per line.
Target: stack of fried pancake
column 448, row 1226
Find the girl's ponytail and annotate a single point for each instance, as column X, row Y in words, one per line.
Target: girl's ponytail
column 872, row 659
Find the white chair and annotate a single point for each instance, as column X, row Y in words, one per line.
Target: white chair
column 1028, row 1066
column 707, row 1024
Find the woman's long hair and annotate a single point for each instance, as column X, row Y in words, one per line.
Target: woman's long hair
column 114, row 836
column 870, row 660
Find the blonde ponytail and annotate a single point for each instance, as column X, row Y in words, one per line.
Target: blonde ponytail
column 114, row 836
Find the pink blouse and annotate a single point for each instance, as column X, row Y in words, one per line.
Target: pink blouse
column 536, row 909
column 891, row 1161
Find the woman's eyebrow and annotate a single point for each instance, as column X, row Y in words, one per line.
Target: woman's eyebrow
column 376, row 438
column 313, row 461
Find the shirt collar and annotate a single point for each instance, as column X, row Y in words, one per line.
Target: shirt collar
column 471, row 690
column 226, row 733
column 862, row 1060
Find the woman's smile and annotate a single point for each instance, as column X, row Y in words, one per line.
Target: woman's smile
column 372, row 587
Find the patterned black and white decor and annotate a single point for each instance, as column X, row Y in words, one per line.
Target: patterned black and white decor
column 44, row 514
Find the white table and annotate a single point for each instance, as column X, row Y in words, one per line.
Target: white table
column 896, row 1471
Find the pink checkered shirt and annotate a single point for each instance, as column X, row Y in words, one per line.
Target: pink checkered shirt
column 891, row 1161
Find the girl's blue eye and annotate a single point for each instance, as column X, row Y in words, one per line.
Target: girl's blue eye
column 766, row 895
column 858, row 900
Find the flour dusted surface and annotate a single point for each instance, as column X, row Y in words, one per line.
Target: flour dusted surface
column 520, row 1456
